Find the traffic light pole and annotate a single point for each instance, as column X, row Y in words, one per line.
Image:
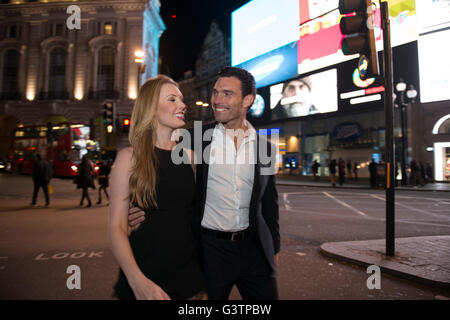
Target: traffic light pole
column 389, row 131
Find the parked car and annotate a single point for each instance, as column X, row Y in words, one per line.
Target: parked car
column 5, row 165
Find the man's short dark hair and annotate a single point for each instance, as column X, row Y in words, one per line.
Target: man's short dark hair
column 246, row 78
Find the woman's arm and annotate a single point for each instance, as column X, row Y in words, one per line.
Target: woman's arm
column 143, row 287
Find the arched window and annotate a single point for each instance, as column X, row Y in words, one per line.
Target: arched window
column 10, row 86
column 105, row 77
column 442, row 126
column 57, row 74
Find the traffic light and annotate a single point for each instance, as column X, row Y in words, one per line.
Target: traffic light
column 360, row 37
column 49, row 132
column 126, row 125
column 108, row 116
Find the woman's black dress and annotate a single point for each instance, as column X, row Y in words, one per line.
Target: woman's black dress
column 164, row 246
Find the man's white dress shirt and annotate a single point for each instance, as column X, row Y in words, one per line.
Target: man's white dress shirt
column 230, row 180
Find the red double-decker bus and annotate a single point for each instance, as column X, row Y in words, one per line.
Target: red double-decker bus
column 69, row 143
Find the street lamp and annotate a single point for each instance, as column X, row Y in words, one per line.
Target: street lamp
column 406, row 95
column 139, row 59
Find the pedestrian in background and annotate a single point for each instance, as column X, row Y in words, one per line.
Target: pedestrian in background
column 355, row 170
column 415, row 174
column 315, row 169
column 341, row 165
column 373, row 173
column 85, row 179
column 42, row 174
column 349, row 168
column 423, row 177
column 429, row 170
column 103, row 180
column 333, row 172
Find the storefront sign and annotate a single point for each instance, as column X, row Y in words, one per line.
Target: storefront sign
column 346, row 132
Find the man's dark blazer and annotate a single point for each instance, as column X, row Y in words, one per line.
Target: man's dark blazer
column 263, row 218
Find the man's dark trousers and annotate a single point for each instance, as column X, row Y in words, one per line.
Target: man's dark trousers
column 241, row 263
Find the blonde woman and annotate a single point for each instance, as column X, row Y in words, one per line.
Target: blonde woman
column 158, row 261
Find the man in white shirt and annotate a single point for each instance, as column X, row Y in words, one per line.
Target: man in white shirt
column 236, row 217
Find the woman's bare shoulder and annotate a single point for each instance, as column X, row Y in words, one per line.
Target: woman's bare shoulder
column 124, row 157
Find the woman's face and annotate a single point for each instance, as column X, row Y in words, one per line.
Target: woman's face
column 171, row 108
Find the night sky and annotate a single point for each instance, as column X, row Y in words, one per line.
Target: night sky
column 181, row 41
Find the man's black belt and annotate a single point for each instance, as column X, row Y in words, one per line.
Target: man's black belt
column 233, row 236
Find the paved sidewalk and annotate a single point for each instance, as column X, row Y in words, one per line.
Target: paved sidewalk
column 306, row 181
column 422, row 259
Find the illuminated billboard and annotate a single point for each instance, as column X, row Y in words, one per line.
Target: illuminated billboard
column 434, row 64
column 261, row 26
column 433, row 15
column 303, row 96
column 278, row 40
column 320, row 35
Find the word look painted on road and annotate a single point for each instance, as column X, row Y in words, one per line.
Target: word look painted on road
column 64, row 255
column 74, row 21
column 74, row 281
column 374, row 281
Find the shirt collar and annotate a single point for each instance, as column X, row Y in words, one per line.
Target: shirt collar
column 250, row 132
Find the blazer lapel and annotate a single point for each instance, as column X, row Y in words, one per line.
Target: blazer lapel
column 256, row 184
column 205, row 170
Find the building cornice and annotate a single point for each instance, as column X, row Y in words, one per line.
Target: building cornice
column 11, row 43
column 89, row 7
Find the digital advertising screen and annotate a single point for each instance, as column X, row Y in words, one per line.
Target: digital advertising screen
column 319, row 44
column 274, row 66
column 303, row 96
column 278, row 40
column 433, row 15
column 261, row 26
column 434, row 66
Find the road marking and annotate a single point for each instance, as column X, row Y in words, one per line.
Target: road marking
column 345, row 204
column 286, row 202
column 410, row 208
column 65, row 255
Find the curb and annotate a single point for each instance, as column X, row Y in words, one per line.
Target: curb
column 366, row 262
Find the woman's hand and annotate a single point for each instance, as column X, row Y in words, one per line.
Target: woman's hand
column 145, row 289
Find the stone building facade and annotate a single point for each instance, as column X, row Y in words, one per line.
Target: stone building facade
column 51, row 73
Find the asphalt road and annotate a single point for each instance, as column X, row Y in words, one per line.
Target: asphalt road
column 37, row 245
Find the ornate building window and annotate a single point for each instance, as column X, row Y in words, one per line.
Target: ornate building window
column 57, row 74
column 105, row 73
column 108, row 28
column 10, row 85
column 59, row 29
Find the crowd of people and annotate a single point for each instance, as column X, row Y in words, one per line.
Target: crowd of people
column 84, row 180
column 418, row 173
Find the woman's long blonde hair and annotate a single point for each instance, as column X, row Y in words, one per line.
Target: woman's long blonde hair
column 142, row 138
